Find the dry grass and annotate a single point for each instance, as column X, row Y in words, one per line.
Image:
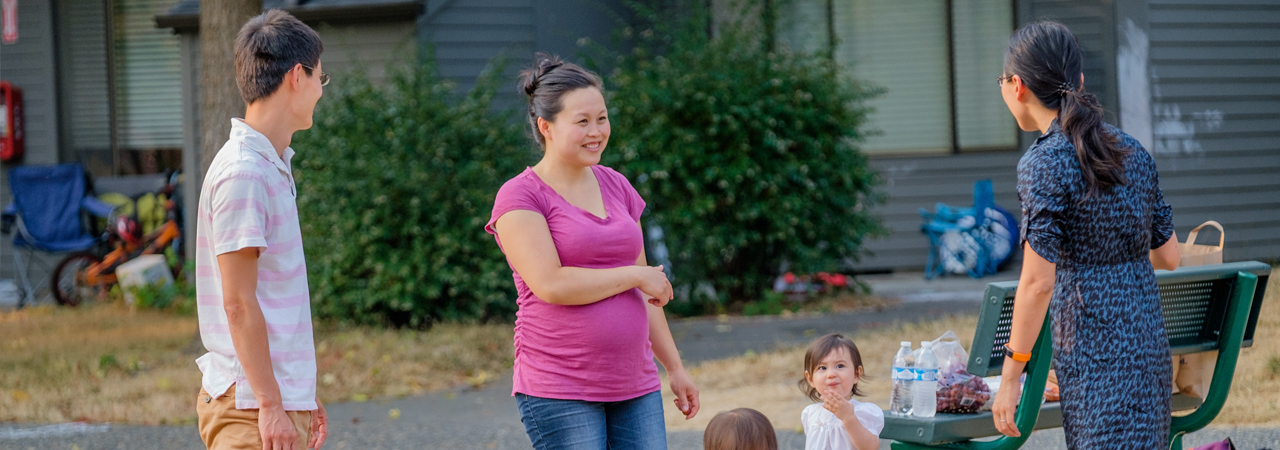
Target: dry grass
column 104, row 363
column 767, row 382
column 1255, row 390
column 111, row 364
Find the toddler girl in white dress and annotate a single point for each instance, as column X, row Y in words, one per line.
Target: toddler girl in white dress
column 833, row 367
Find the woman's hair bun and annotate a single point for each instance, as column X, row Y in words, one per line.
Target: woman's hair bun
column 543, row 65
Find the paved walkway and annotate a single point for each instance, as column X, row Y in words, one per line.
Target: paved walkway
column 457, row 420
column 487, row 419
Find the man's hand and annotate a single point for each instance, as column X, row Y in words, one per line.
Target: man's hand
column 319, row 426
column 277, row 429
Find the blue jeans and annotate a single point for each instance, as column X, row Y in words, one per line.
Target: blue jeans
column 635, row 424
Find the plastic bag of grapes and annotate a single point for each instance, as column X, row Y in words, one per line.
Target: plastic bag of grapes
column 959, row 392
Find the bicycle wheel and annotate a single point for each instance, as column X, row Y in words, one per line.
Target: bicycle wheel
column 68, row 283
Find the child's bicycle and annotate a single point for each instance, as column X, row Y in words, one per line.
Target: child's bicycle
column 89, row 275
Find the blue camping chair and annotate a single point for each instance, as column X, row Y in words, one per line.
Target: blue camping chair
column 48, row 202
column 974, row 225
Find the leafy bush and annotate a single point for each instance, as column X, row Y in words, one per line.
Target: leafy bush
column 395, row 185
column 747, row 157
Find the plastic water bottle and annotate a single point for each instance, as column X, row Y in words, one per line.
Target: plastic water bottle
column 903, row 377
column 924, row 392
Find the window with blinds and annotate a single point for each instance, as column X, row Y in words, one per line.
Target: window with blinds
column 112, row 54
column 86, row 116
column 904, row 50
column 981, row 32
column 148, row 78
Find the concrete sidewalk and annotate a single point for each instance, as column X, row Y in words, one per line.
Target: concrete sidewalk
column 458, row 420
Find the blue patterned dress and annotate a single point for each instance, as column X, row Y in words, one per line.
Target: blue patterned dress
column 1111, row 353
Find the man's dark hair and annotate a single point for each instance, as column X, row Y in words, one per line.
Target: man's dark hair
column 269, row 46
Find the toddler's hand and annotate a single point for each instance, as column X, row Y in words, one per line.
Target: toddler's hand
column 838, row 405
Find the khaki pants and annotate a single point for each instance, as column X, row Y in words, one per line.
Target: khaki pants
column 223, row 427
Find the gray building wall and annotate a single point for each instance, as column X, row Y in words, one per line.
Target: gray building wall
column 468, row 34
column 920, row 182
column 1214, row 74
column 30, row 65
column 1197, row 81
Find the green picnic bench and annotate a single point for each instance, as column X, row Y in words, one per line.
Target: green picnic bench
column 1205, row 308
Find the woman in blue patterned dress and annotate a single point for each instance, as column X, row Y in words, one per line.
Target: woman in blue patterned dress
column 1095, row 225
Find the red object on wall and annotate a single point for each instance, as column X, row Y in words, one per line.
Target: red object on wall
column 11, row 135
column 9, row 20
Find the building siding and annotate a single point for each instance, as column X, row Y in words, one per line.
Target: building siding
column 367, row 48
column 1214, row 70
column 921, row 182
column 30, row 65
column 468, row 35
column 1214, row 74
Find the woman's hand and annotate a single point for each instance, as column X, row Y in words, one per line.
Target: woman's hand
column 1005, row 407
column 686, row 393
column 837, row 404
column 654, row 285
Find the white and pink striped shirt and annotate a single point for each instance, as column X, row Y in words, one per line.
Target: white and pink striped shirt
column 249, row 200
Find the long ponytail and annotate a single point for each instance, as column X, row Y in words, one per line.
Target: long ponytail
column 1049, row 60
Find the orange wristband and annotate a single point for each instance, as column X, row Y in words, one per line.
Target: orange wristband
column 1020, row 357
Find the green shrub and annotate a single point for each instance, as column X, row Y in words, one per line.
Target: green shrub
column 747, row 157
column 396, row 183
column 178, row 297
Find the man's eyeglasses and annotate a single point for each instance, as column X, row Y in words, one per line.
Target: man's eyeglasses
column 324, row 77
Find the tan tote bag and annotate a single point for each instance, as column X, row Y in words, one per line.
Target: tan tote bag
column 1194, row 254
column 1193, row 372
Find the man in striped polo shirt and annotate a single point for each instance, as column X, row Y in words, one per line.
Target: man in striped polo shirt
column 259, row 385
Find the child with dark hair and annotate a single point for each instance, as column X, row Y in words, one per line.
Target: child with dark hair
column 250, row 274
column 833, row 368
column 740, row 429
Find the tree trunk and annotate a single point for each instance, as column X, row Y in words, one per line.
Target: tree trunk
column 220, row 21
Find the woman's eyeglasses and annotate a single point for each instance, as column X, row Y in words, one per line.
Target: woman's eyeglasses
column 1002, row 78
column 324, row 77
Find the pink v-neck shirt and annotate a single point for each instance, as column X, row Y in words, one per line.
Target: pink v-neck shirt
column 598, row 352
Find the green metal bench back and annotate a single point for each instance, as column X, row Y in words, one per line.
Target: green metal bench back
column 1193, row 299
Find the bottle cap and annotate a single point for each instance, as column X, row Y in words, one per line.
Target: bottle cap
column 926, row 344
column 906, row 344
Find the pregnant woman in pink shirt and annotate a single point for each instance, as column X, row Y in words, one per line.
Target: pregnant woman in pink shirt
column 590, row 320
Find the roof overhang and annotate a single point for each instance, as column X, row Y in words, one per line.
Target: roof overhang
column 185, row 16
